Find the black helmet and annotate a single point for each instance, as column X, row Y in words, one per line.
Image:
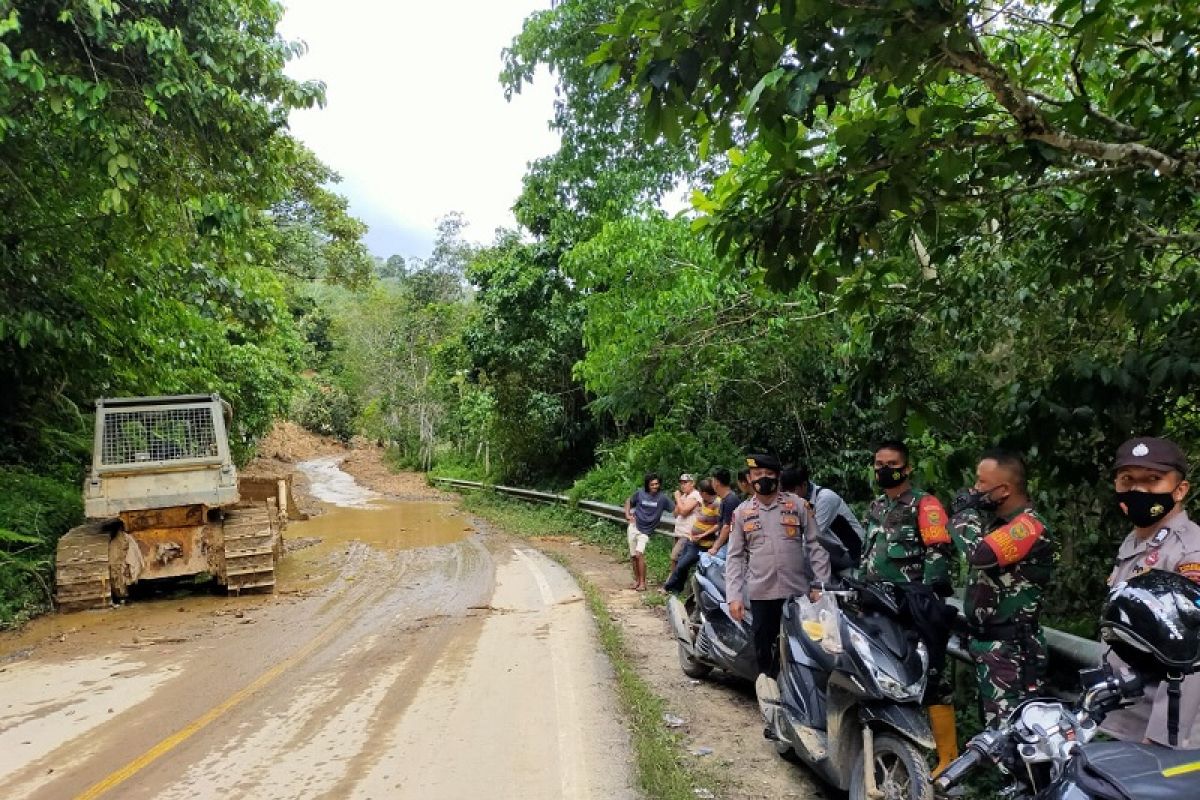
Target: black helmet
column 1152, row 622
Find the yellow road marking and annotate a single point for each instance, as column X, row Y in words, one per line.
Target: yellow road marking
column 1182, row 769
column 179, row 737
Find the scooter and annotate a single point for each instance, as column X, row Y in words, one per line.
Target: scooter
column 853, row 711
column 706, row 636
column 1044, row 745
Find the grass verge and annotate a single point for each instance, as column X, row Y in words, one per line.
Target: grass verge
column 661, row 773
column 523, row 518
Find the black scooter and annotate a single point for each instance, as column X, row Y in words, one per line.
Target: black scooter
column 707, row 637
column 855, row 714
column 1044, row 745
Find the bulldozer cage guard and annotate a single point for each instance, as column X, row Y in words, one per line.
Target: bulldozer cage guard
column 165, row 434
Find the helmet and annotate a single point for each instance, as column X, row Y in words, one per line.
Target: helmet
column 1152, row 622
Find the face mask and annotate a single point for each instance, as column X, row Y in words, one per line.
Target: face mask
column 1145, row 508
column 766, row 485
column 890, row 477
column 986, row 502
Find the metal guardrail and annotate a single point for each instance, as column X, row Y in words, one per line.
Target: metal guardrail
column 1068, row 653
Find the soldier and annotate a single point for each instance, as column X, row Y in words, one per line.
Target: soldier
column 773, row 555
column 907, row 542
column 1151, row 486
column 1010, row 555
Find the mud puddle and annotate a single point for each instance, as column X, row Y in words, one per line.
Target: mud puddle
column 354, row 515
column 166, row 618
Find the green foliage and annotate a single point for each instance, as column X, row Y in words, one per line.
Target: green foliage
column 519, row 349
column 665, row 450
column 865, row 124
column 34, row 509
column 604, row 165
column 155, row 216
column 910, row 221
column 153, row 205
column 393, row 345
column 325, row 409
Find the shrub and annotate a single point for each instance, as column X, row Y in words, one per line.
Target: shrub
column 325, row 409
column 34, row 511
column 669, row 453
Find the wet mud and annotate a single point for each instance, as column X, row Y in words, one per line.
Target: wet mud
column 404, row 655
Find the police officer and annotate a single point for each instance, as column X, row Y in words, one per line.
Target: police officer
column 907, row 542
column 773, row 555
column 1151, row 485
column 1010, row 556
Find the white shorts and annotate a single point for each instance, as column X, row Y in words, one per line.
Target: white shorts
column 637, row 540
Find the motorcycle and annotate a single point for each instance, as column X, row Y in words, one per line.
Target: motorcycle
column 1045, row 745
column 852, row 710
column 706, row 636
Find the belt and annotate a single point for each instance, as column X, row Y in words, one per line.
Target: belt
column 1002, row 632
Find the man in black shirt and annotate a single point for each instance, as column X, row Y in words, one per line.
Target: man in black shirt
column 730, row 500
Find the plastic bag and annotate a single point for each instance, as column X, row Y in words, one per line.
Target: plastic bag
column 821, row 621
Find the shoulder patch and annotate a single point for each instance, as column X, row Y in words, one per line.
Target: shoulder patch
column 931, row 520
column 1190, row 570
column 1012, row 542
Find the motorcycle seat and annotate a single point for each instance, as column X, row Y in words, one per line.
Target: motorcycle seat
column 1140, row 771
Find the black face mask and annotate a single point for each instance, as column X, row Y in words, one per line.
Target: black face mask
column 766, row 485
column 890, row 477
column 1145, row 508
column 986, row 502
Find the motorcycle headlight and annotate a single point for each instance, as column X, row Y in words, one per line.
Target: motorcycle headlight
column 888, row 684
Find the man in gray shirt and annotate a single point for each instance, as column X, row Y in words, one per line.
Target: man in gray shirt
column 644, row 510
column 840, row 532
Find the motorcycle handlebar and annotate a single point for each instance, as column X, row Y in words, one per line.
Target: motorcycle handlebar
column 959, row 768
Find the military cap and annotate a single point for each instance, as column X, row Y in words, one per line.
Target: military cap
column 1151, row 453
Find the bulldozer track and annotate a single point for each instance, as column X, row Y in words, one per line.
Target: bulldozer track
column 253, row 543
column 82, row 575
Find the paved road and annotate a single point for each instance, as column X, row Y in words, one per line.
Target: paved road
column 405, row 657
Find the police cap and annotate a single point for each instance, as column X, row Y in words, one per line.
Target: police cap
column 763, row 461
column 1157, row 454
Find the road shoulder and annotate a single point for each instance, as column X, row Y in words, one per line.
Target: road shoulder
column 721, row 718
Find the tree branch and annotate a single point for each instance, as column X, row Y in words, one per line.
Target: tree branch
column 1033, row 125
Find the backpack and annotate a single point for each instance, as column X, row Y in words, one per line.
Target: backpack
column 840, row 541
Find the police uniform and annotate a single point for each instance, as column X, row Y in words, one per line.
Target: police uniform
column 1174, row 547
column 1011, row 561
column 774, row 554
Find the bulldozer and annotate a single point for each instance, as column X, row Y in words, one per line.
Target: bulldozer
column 163, row 500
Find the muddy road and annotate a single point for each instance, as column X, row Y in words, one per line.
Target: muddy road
column 406, row 655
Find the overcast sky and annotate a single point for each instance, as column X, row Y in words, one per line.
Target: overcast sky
column 416, row 122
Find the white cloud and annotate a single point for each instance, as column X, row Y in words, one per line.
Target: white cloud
column 416, row 121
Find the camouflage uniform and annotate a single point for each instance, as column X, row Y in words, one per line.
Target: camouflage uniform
column 907, row 542
column 1010, row 561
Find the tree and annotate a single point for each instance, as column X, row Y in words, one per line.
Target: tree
column 874, row 124
column 155, row 217
column 521, row 345
column 604, row 166
column 394, row 267
column 441, row 278
column 969, row 223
